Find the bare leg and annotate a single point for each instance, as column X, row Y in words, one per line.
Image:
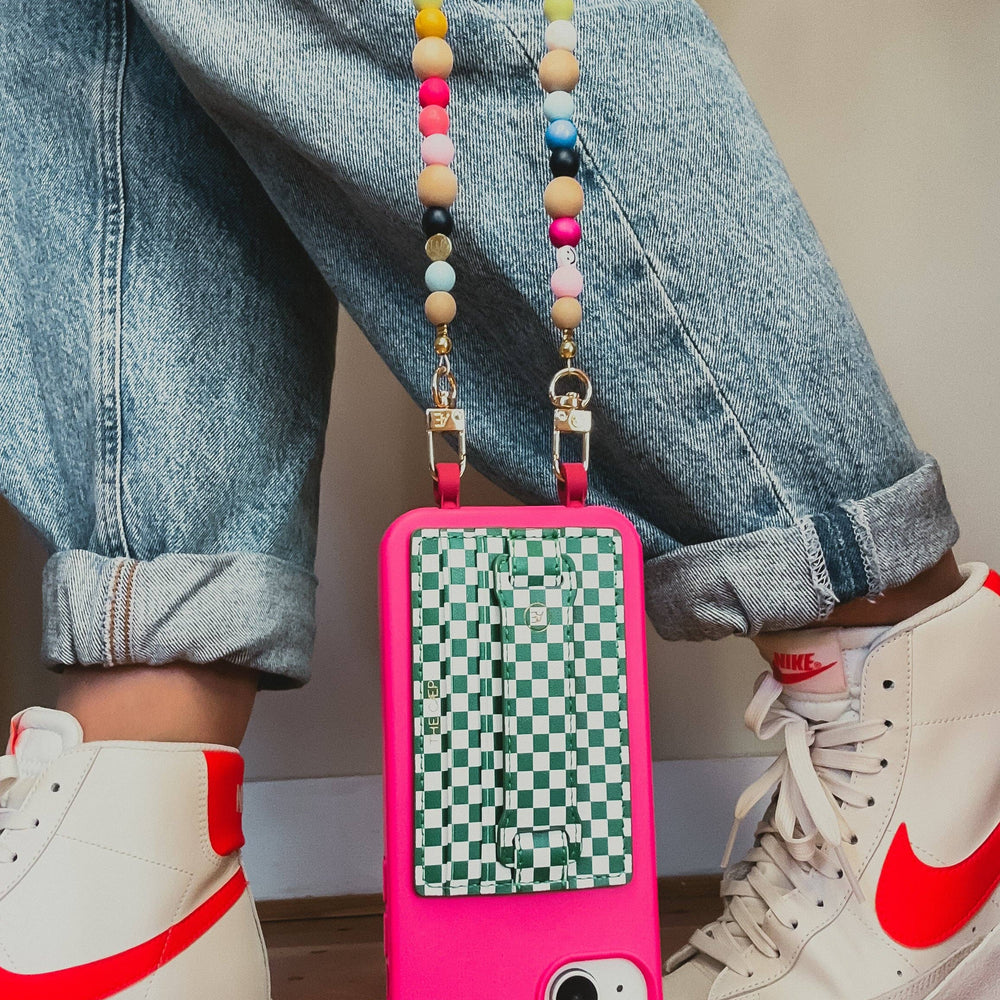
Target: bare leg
column 894, row 606
column 180, row 702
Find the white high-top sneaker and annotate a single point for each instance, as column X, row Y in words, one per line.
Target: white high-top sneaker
column 876, row 867
column 120, row 870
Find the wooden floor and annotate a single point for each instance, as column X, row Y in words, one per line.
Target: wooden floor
column 340, row 957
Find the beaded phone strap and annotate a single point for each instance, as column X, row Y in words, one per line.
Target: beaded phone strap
column 437, row 189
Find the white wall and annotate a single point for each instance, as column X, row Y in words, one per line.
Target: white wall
column 887, row 116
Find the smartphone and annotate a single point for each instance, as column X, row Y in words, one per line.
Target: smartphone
column 519, row 836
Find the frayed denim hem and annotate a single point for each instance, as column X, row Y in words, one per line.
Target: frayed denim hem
column 789, row 577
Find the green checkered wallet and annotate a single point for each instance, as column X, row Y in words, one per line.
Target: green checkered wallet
column 521, row 763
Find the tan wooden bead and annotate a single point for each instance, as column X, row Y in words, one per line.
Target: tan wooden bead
column 440, row 307
column 563, row 197
column 432, row 56
column 567, row 313
column 558, row 70
column 437, row 185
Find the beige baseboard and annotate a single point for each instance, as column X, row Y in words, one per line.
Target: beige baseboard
column 319, row 907
column 321, row 838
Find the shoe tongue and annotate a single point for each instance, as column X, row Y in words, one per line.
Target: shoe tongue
column 39, row 735
column 818, row 667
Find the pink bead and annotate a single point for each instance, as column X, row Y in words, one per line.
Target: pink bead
column 433, row 90
column 567, row 281
column 433, row 119
column 437, row 148
column 564, row 232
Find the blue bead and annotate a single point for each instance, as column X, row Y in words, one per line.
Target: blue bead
column 440, row 276
column 560, row 134
column 558, row 104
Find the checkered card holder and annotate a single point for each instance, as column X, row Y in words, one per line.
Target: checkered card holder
column 521, row 736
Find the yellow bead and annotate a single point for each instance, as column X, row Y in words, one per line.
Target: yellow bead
column 431, row 23
column 425, row 4
column 432, row 57
column 563, row 197
column 438, row 247
column 558, row 10
column 442, row 345
column 567, row 349
column 440, row 307
column 437, row 185
column 567, row 313
column 558, row 70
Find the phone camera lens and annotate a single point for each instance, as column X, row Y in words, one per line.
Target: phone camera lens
column 576, row 988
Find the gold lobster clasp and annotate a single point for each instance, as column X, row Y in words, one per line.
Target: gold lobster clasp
column 571, row 416
column 445, row 417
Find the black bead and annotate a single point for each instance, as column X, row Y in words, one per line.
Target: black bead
column 437, row 220
column 565, row 162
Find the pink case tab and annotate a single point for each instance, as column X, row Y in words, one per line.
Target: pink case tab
column 503, row 947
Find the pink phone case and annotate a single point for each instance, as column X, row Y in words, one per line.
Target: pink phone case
column 501, row 946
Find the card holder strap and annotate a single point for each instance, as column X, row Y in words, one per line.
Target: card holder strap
column 535, row 584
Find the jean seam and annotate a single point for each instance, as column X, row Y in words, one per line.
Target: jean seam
column 111, row 615
column 777, row 491
column 108, row 341
column 774, row 484
column 866, row 546
column 825, row 598
column 127, row 612
column 248, row 609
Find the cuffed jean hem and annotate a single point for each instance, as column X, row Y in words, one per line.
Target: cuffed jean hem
column 788, row 577
column 247, row 609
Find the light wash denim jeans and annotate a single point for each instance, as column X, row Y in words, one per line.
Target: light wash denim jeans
column 187, row 187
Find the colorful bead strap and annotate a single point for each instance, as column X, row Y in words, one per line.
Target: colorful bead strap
column 437, row 188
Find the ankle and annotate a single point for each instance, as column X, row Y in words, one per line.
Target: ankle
column 177, row 702
column 900, row 603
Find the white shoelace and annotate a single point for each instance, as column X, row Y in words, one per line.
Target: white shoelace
column 11, row 818
column 804, row 829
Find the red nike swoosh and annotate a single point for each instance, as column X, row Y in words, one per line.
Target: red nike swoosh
column 107, row 976
column 796, row 676
column 919, row 905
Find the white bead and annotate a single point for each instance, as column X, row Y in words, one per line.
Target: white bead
column 566, row 255
column 560, row 35
column 558, row 104
column 439, row 276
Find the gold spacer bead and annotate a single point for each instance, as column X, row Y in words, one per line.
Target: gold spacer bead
column 438, row 247
column 567, row 349
column 442, row 344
